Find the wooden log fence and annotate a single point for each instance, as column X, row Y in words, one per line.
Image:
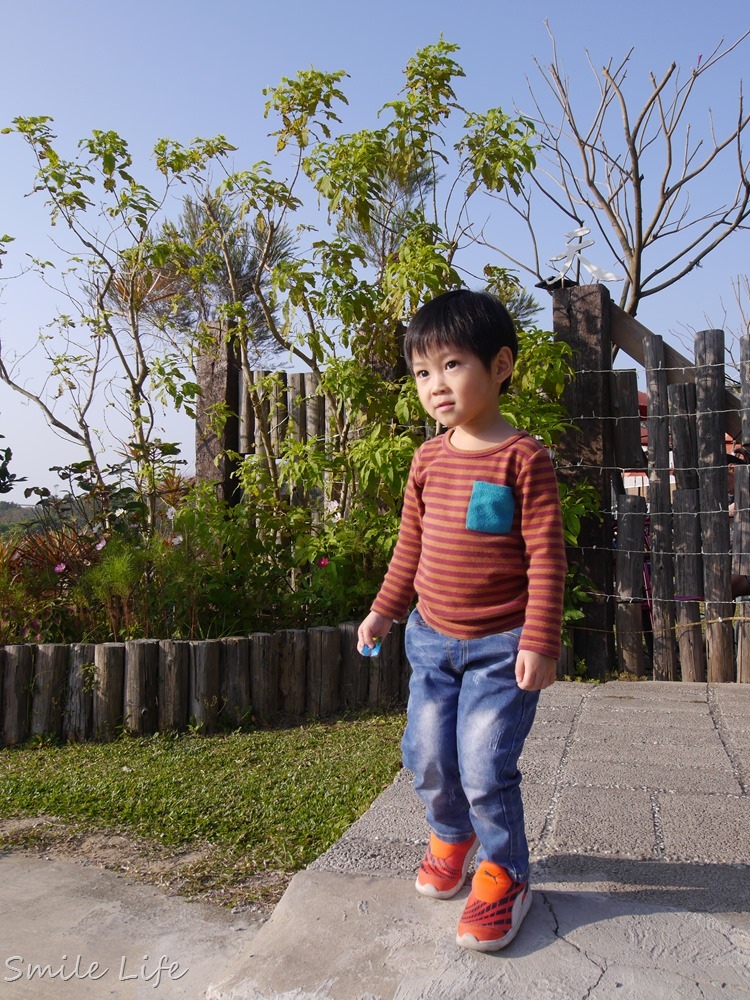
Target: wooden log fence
column 84, row 692
column 689, row 546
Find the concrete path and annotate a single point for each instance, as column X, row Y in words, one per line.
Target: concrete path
column 638, row 816
column 639, row 820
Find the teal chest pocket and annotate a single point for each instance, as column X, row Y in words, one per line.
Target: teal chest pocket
column 491, row 508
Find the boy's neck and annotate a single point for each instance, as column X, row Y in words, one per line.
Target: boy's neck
column 470, row 438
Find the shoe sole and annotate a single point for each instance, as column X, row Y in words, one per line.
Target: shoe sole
column 497, row 944
column 428, row 889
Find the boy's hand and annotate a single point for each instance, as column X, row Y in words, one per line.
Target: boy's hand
column 534, row 672
column 374, row 627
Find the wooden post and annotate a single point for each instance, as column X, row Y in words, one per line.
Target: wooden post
column 626, row 439
column 279, row 412
column 297, row 424
column 262, row 407
column 712, row 475
column 405, row 668
column 741, row 530
column 18, row 686
column 323, row 670
column 293, row 671
column 174, row 684
column 687, row 533
column 78, row 719
column 631, row 516
column 50, row 680
column 219, row 376
column 741, row 565
column 205, row 683
column 109, row 667
column 141, row 687
column 582, row 320
column 314, row 408
column 247, row 416
column 264, row 675
column 236, row 680
column 297, row 412
column 395, row 650
column 660, row 509
column 682, row 405
column 384, row 686
column 354, row 668
column 689, row 584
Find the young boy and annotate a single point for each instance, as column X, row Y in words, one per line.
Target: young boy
column 481, row 544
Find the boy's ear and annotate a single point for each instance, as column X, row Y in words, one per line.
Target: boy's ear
column 502, row 365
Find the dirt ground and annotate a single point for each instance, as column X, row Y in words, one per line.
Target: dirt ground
column 195, row 874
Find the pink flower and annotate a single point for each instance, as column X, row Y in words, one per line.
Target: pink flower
column 60, row 568
column 323, row 561
column 100, row 544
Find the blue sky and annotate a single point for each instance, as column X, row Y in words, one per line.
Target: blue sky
column 182, row 69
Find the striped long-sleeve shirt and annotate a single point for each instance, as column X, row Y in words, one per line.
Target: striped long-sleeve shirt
column 481, row 543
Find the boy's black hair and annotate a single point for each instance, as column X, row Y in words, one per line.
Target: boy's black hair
column 475, row 321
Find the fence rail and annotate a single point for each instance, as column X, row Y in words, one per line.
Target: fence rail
column 85, row 691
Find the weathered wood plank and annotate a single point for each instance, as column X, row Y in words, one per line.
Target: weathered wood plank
column 78, row 719
column 219, row 376
column 18, row 687
column 681, row 398
column 741, row 528
column 660, row 509
column 323, row 670
column 689, row 585
column 354, row 672
column 264, row 675
column 109, row 669
column 712, row 476
column 205, row 683
column 626, row 437
column 631, row 517
column 174, row 684
column 50, row 684
column 292, row 654
column 141, row 687
column 236, row 681
column 582, row 320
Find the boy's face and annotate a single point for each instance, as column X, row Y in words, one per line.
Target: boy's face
column 456, row 389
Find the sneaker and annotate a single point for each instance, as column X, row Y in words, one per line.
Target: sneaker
column 494, row 910
column 444, row 867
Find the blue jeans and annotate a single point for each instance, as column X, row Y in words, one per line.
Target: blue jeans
column 467, row 720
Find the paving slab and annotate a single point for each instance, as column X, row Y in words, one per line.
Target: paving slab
column 71, row 931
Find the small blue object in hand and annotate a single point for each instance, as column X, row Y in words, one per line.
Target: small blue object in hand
column 366, row 651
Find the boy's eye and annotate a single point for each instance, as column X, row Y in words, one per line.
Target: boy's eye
column 451, row 364
column 421, row 373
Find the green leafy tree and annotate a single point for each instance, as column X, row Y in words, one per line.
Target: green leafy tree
column 320, row 515
column 100, row 351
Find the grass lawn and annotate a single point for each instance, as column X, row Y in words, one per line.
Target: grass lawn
column 228, row 818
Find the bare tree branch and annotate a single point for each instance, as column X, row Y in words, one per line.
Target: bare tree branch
column 638, row 168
